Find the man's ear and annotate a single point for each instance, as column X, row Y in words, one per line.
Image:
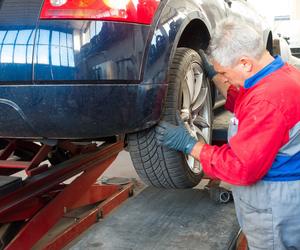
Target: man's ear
column 246, row 63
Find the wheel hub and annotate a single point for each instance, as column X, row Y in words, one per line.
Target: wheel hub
column 195, row 109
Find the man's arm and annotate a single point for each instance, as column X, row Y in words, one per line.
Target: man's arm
column 232, row 95
column 251, row 152
column 262, row 132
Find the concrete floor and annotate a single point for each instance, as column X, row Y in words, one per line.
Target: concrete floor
column 122, row 167
column 159, row 219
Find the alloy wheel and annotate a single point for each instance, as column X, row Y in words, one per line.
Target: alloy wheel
column 195, row 109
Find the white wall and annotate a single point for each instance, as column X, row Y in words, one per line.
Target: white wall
column 295, row 9
column 271, row 8
column 276, row 8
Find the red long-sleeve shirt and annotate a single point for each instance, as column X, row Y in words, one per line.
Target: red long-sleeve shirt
column 266, row 113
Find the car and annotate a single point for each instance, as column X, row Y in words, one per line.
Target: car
column 290, row 31
column 281, row 46
column 88, row 70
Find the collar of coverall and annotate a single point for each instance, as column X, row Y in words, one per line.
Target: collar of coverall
column 270, row 68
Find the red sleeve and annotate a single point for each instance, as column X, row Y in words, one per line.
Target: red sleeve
column 261, row 133
column 232, row 94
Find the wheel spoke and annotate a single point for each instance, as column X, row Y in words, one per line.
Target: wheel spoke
column 197, row 167
column 186, row 100
column 191, row 130
column 190, row 80
column 198, row 86
column 200, row 133
column 201, row 122
column 187, row 89
column 200, row 100
column 194, row 164
column 191, row 161
column 194, row 98
column 185, row 115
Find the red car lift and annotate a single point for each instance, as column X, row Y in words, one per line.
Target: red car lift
column 29, row 208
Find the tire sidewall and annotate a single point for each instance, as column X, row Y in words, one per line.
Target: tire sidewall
column 189, row 57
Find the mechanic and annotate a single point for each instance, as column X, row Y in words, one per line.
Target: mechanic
column 262, row 157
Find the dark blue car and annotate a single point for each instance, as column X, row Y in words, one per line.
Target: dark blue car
column 92, row 69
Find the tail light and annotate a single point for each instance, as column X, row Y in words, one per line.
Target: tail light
column 134, row 11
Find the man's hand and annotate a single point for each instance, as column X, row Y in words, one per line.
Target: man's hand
column 175, row 137
column 219, row 80
column 208, row 68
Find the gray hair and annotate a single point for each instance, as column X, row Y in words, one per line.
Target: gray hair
column 234, row 38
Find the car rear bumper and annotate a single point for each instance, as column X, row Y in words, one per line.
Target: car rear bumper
column 77, row 111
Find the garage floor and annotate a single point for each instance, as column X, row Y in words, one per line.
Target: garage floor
column 163, row 219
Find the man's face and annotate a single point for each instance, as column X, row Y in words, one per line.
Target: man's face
column 236, row 74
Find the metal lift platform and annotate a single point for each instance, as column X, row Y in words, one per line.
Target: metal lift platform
column 32, row 208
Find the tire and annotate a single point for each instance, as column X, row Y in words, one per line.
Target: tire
column 162, row 167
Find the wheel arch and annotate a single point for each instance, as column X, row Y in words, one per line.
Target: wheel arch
column 173, row 30
column 195, row 40
column 185, row 36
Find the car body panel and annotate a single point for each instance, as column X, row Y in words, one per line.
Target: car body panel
column 81, row 84
column 18, row 21
column 77, row 50
column 78, row 111
column 85, row 79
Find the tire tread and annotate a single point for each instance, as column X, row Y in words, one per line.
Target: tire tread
column 156, row 165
